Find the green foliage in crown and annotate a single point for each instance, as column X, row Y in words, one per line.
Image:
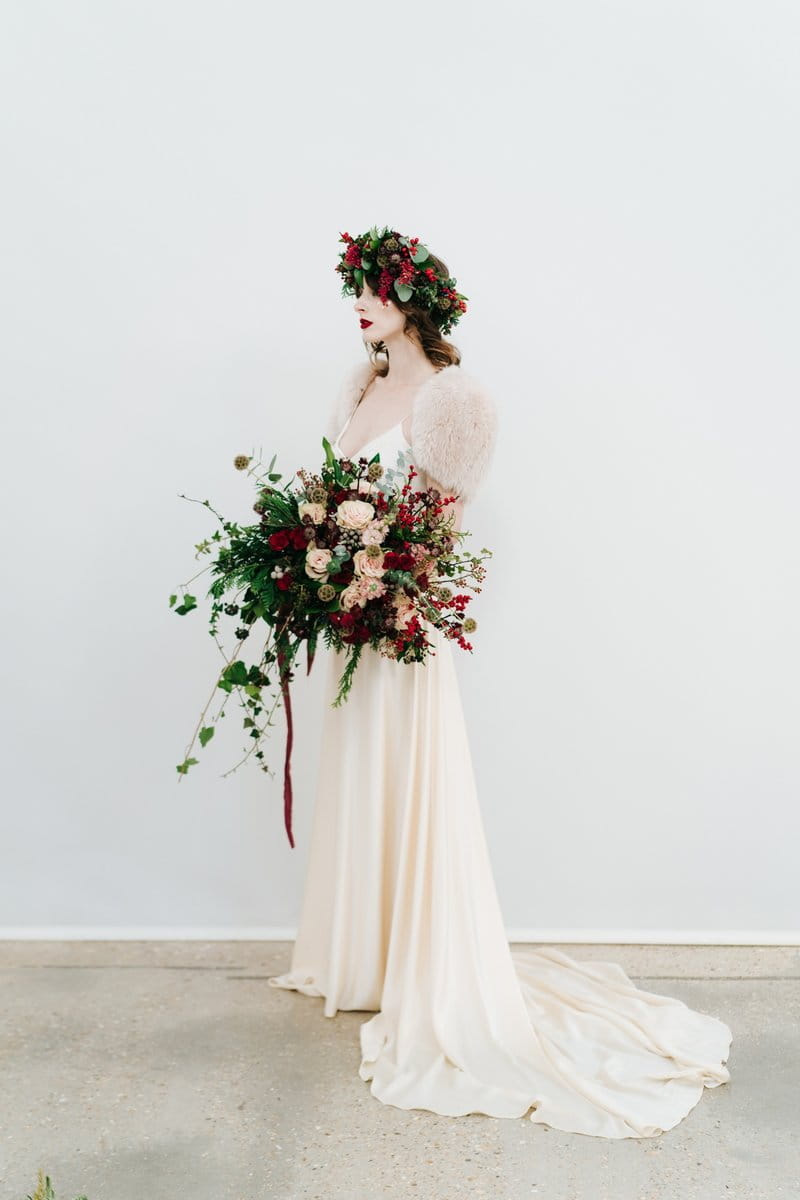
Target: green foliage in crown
column 399, row 268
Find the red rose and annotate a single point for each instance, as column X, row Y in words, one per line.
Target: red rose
column 299, row 539
column 279, row 540
column 284, row 582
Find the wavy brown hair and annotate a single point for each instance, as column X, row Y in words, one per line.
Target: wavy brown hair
column 419, row 326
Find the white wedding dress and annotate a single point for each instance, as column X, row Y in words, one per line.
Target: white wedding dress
column 401, row 918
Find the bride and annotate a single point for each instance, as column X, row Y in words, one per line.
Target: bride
column 400, row 915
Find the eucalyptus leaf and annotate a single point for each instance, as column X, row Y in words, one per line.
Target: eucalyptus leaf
column 358, row 275
column 404, row 290
column 420, row 254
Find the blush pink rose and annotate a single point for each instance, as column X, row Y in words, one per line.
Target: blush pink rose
column 351, row 595
column 318, row 560
column 367, row 565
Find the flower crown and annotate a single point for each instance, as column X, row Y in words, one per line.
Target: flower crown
column 399, row 263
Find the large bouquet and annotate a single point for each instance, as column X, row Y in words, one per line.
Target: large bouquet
column 353, row 554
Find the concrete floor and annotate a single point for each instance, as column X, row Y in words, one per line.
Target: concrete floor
column 155, row 1070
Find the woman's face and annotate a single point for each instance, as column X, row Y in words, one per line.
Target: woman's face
column 379, row 320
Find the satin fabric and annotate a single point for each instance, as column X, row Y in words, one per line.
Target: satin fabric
column 401, row 918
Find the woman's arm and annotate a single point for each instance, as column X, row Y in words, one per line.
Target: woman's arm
column 453, row 428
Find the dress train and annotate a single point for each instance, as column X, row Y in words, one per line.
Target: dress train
column 401, row 918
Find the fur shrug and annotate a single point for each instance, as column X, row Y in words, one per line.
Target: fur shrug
column 453, row 426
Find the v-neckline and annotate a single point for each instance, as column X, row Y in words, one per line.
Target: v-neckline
column 379, row 436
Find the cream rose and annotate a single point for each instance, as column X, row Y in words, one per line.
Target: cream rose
column 354, row 514
column 315, row 511
column 318, row 560
column 365, row 564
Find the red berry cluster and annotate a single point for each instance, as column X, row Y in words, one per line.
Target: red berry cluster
column 385, row 281
column 352, row 256
column 407, row 270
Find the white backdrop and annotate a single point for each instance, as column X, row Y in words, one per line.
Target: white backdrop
column 615, row 187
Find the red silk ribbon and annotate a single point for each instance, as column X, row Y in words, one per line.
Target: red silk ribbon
column 287, row 769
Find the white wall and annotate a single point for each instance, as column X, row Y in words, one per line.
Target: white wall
column 615, row 187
